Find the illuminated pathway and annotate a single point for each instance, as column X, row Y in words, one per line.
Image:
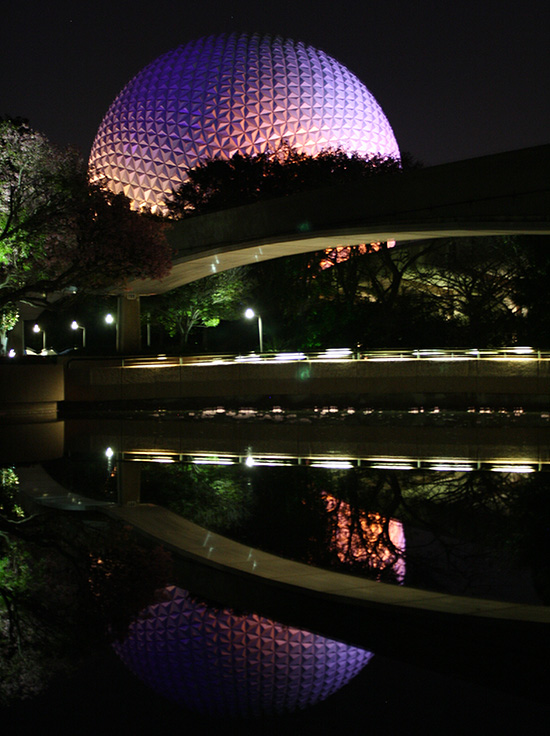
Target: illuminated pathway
column 511, row 378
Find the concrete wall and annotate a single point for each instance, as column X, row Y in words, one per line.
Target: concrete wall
column 30, row 392
column 364, row 382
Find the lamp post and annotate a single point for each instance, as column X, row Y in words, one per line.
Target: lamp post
column 250, row 314
column 36, row 329
column 110, row 320
column 76, row 326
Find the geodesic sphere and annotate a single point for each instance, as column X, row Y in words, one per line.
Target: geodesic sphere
column 222, row 94
column 221, row 663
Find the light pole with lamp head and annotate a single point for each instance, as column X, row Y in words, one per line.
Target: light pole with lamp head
column 250, row 314
column 36, row 329
column 76, row 326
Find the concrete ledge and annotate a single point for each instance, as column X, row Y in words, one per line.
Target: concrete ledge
column 391, row 384
column 30, row 393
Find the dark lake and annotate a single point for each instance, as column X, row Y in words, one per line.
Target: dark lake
column 429, row 519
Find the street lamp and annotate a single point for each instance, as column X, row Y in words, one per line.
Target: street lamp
column 109, row 319
column 250, row 314
column 36, row 329
column 76, row 326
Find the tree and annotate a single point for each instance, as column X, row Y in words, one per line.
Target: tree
column 60, row 232
column 202, row 303
column 242, row 179
column 532, row 277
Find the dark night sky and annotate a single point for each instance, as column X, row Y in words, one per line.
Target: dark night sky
column 456, row 80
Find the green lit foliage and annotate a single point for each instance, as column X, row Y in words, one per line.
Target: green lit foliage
column 9, row 316
column 9, row 484
column 220, row 183
column 202, row 303
column 216, row 498
column 59, row 232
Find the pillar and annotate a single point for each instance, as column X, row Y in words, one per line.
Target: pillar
column 128, row 482
column 128, row 324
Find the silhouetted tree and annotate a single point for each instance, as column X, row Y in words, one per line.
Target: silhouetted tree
column 58, row 231
column 242, row 179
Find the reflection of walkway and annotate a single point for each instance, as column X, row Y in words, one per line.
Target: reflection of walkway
column 212, row 549
column 480, row 639
column 39, row 486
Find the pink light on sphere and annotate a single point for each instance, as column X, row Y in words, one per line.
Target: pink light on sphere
column 231, row 93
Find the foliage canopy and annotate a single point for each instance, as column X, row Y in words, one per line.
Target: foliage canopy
column 58, row 231
column 242, row 179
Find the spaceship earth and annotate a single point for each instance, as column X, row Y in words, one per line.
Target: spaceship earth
column 221, row 663
column 231, row 93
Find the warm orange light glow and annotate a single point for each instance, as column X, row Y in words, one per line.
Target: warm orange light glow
column 367, row 537
column 343, row 252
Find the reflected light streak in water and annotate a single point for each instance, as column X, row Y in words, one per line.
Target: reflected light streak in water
column 219, row 662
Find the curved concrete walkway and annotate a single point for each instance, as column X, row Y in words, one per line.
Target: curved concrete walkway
column 212, row 549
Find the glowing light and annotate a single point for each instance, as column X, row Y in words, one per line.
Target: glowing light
column 212, row 461
column 367, row 537
column 522, row 350
column 392, row 466
column 454, row 468
column 222, row 94
column 513, row 469
column 109, row 452
column 336, row 353
column 290, row 356
column 332, row 464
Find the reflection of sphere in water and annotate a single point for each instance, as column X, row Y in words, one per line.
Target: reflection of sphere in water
column 222, row 94
column 218, row 662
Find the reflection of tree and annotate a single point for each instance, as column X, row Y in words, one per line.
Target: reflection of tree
column 213, row 497
column 63, row 584
column 465, row 529
column 366, row 540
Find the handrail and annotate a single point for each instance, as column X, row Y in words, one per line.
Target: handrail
column 328, row 355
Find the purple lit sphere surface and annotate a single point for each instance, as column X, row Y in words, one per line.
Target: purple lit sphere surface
column 218, row 662
column 226, row 94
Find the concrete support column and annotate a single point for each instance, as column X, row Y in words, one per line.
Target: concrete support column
column 128, row 482
column 128, row 324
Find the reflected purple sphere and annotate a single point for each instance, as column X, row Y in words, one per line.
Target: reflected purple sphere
column 226, row 94
column 217, row 662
